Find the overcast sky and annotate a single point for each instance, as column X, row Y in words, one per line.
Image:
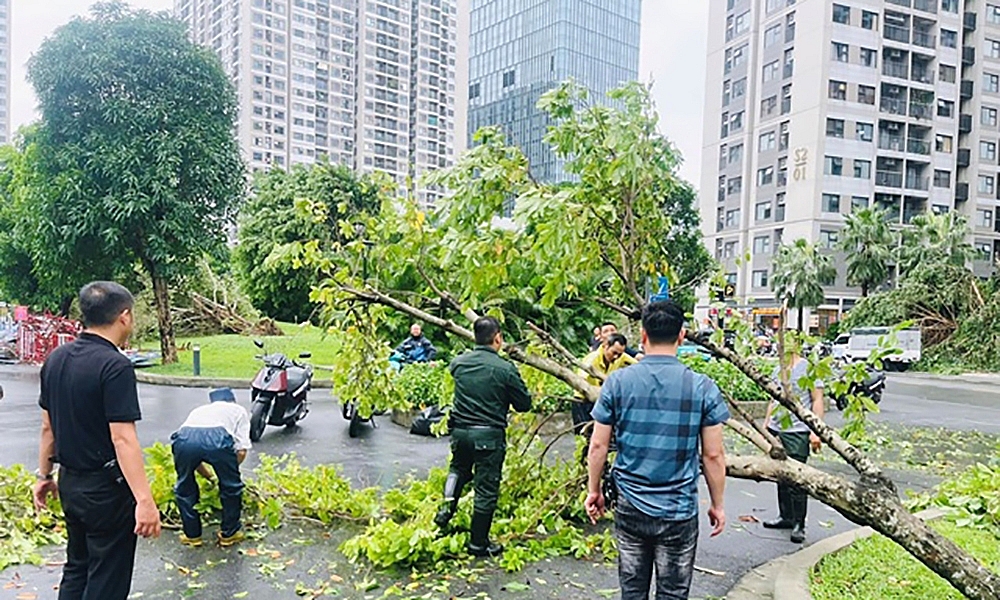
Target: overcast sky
column 673, row 49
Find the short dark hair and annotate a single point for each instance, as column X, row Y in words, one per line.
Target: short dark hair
column 486, row 329
column 662, row 321
column 617, row 338
column 611, row 323
column 102, row 302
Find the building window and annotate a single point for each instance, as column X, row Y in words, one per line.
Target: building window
column 828, row 239
column 762, row 212
column 739, row 88
column 772, row 35
column 783, row 136
column 736, row 154
column 782, row 172
column 833, row 165
column 760, row 279
column 984, row 251
column 993, row 48
column 946, row 108
column 735, row 185
column 838, row 90
column 986, row 185
column 841, row 52
column 765, row 176
column 993, row 13
column 727, row 90
column 729, row 250
column 984, row 218
column 864, row 132
column 866, row 94
column 733, row 218
column 991, row 82
column 731, row 278
column 771, row 71
column 736, row 122
column 762, row 245
column 942, row 179
column 508, row 79
column 949, row 39
column 786, row 99
column 988, row 151
column 842, row 14
column 862, row 169
column 768, row 106
column 831, row 203
column 835, row 128
column 765, row 142
column 869, row 57
column 942, row 143
column 474, row 91
column 738, row 25
column 859, row 202
column 949, row 6
column 988, row 116
column 789, row 64
column 869, row 20
column 947, row 73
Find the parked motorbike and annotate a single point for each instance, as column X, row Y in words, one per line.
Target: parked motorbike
column 349, row 410
column 872, row 387
column 279, row 392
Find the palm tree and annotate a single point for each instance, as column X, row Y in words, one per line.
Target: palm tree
column 868, row 242
column 799, row 274
column 936, row 239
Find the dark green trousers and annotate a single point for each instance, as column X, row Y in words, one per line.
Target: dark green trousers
column 793, row 500
column 477, row 455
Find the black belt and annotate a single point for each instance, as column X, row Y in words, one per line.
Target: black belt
column 481, row 427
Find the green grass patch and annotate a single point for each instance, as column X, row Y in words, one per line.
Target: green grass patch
column 878, row 569
column 232, row 356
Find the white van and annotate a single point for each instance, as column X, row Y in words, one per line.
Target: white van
column 859, row 343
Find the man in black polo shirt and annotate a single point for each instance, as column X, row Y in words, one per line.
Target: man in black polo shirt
column 89, row 409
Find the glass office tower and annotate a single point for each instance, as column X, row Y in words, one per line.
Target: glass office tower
column 519, row 49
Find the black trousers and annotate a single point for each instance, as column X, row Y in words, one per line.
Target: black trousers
column 793, row 500
column 477, row 455
column 100, row 523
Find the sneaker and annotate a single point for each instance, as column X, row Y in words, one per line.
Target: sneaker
column 232, row 540
column 191, row 542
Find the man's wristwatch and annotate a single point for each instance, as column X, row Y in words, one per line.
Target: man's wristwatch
column 49, row 477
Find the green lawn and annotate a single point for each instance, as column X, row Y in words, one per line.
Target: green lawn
column 878, row 569
column 232, row 356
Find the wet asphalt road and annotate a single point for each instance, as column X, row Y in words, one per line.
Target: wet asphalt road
column 384, row 455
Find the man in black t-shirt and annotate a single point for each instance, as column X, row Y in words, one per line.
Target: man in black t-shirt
column 89, row 409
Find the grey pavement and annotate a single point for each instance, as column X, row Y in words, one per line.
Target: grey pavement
column 383, row 456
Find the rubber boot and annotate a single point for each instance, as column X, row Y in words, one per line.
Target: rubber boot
column 785, row 518
column 452, row 493
column 800, row 501
column 479, row 541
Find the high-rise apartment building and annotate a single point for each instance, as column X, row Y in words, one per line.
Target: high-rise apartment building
column 5, row 65
column 520, row 49
column 368, row 83
column 816, row 108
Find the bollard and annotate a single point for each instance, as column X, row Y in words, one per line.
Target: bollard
column 197, row 360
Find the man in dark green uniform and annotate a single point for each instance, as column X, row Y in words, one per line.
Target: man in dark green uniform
column 486, row 386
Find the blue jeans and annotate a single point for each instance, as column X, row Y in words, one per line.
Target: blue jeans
column 213, row 445
column 645, row 542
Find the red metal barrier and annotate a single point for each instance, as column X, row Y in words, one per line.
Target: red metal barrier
column 39, row 335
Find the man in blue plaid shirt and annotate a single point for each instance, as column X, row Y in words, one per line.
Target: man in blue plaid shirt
column 661, row 413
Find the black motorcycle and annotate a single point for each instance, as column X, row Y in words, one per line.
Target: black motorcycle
column 279, row 392
column 872, row 387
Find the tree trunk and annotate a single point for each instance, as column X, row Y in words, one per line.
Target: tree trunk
column 875, row 503
column 864, row 290
column 65, row 305
column 801, row 315
column 168, row 345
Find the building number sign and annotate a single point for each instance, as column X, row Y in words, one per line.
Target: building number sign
column 801, row 159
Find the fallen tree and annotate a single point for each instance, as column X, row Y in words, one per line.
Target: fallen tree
column 603, row 239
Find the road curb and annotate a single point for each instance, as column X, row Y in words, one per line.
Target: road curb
column 209, row 382
column 985, row 379
column 792, row 579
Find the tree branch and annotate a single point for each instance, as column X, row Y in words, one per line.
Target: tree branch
column 775, row 449
column 745, row 431
column 633, row 314
column 573, row 361
column 448, row 299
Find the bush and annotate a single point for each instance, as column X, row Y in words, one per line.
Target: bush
column 424, row 384
column 729, row 378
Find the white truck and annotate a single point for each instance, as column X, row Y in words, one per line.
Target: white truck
column 859, row 343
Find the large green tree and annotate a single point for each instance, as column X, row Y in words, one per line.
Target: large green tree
column 935, row 239
column 273, row 218
column 597, row 240
column 800, row 271
column 868, row 242
column 137, row 142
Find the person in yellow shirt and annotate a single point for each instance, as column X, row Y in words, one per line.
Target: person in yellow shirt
column 607, row 359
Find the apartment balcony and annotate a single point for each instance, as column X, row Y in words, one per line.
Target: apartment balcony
column 961, row 192
column 896, row 33
column 921, row 111
column 893, row 106
column 915, row 182
column 969, row 21
column 965, row 123
column 926, row 5
column 964, row 157
column 918, row 147
column 905, row 3
column 887, row 141
column 922, row 74
column 889, row 179
column 968, row 55
column 925, row 39
column 968, row 88
column 896, row 69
